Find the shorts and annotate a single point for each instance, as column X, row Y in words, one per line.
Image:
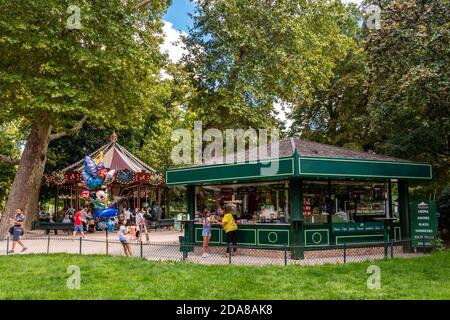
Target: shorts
column 78, row 228
column 17, row 233
column 124, row 241
column 206, row 233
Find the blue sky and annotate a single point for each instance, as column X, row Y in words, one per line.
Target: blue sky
column 178, row 14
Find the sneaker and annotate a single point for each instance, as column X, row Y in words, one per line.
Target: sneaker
column 204, row 255
column 24, row 249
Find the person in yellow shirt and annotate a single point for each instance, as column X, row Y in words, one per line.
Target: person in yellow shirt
column 229, row 226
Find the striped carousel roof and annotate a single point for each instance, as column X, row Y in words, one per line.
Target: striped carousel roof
column 115, row 157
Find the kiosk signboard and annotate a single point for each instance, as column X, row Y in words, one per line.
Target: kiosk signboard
column 423, row 223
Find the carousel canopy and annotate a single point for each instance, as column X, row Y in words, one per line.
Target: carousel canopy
column 115, row 157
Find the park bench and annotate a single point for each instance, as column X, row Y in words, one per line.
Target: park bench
column 55, row 226
column 161, row 223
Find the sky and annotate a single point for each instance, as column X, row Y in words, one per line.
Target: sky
column 177, row 22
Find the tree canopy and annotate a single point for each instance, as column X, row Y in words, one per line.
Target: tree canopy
column 245, row 56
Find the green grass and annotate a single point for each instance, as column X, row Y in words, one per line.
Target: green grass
column 104, row 277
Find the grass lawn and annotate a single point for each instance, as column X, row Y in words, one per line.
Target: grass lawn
column 104, row 277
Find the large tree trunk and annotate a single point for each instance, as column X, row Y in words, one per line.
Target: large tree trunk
column 26, row 187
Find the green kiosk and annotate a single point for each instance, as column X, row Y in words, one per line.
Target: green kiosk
column 320, row 195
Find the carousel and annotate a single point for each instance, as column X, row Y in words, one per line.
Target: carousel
column 111, row 177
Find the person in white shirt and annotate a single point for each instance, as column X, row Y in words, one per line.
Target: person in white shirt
column 127, row 215
column 141, row 225
column 123, row 238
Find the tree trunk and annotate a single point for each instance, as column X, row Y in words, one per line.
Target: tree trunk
column 26, row 187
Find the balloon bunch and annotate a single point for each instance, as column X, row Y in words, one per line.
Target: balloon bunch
column 95, row 177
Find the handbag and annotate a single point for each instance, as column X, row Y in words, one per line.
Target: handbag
column 11, row 230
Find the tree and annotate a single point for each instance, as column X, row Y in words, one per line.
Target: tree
column 55, row 74
column 244, row 56
column 409, row 102
column 11, row 138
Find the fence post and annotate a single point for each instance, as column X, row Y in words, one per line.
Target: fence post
column 285, row 254
column 142, row 250
column 423, row 245
column 345, row 252
column 81, row 241
column 7, row 245
column 48, row 244
column 392, row 249
column 229, row 253
column 107, row 246
column 386, row 246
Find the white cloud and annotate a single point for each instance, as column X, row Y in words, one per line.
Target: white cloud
column 282, row 114
column 172, row 40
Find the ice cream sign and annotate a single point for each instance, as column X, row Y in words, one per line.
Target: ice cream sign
column 423, row 223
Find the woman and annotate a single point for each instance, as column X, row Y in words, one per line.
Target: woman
column 123, row 238
column 17, row 229
column 229, row 226
column 206, row 232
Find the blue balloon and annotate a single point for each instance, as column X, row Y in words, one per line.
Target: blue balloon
column 106, row 213
column 94, row 183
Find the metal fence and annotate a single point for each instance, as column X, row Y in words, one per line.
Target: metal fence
column 221, row 254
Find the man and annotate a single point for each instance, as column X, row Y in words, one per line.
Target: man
column 229, row 226
column 17, row 229
column 78, row 224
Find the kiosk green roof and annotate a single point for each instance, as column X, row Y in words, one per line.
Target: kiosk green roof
column 303, row 159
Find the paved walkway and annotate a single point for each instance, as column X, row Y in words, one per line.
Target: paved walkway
column 164, row 246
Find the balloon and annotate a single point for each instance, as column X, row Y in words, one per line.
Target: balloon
column 93, row 183
column 101, row 165
column 106, row 213
column 102, row 174
column 110, row 175
column 85, row 194
column 100, row 157
column 91, row 167
column 101, row 196
column 85, row 175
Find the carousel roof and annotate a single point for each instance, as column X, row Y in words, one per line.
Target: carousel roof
column 115, row 157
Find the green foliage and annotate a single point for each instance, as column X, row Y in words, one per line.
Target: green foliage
column 409, row 103
column 336, row 112
column 11, row 138
column 438, row 244
column 45, row 277
column 106, row 70
column 444, row 200
column 244, row 56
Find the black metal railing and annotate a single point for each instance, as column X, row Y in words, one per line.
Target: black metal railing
column 223, row 254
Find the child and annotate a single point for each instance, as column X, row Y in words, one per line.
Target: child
column 123, row 238
column 78, row 224
column 206, row 232
column 133, row 230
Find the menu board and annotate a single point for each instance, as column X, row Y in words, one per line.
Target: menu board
column 423, row 223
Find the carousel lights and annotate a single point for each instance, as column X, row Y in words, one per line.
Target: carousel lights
column 56, row 177
column 125, row 177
